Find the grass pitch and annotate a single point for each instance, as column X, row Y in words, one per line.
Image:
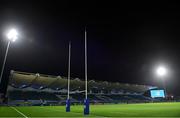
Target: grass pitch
column 111, row 110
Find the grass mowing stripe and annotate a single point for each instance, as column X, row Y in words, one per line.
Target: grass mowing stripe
column 19, row 112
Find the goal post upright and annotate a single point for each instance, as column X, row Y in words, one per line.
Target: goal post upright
column 68, row 103
column 86, row 100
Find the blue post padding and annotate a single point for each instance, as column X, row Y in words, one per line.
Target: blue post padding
column 86, row 107
column 68, row 104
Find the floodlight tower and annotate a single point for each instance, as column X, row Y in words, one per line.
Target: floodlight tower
column 161, row 72
column 86, row 101
column 68, row 103
column 12, row 35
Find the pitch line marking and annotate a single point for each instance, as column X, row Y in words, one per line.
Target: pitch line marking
column 19, row 112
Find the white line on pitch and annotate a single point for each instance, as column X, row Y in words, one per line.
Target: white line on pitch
column 19, row 112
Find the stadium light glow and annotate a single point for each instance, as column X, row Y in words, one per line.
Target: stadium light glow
column 161, row 71
column 12, row 35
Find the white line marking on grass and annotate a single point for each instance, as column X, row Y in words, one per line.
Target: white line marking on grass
column 19, row 112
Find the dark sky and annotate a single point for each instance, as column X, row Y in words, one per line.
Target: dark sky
column 126, row 40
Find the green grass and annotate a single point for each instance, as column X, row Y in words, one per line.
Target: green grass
column 111, row 110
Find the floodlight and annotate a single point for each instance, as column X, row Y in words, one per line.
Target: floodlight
column 12, row 35
column 161, row 71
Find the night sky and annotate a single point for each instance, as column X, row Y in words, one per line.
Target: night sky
column 126, row 40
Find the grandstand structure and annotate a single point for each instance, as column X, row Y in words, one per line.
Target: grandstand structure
column 39, row 89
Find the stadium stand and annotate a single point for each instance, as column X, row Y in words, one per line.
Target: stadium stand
column 39, row 89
